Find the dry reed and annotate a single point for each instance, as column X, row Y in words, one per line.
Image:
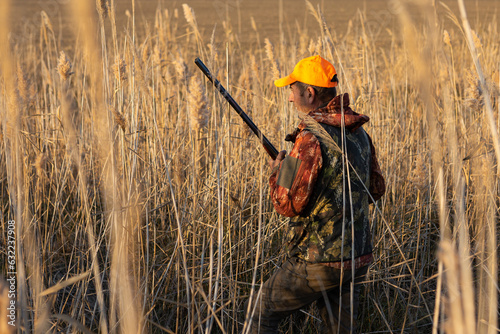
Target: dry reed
column 149, row 226
column 64, row 66
column 197, row 104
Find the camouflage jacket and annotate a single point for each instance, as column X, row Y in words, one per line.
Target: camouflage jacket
column 323, row 197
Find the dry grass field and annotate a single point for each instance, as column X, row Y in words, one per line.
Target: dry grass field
column 138, row 200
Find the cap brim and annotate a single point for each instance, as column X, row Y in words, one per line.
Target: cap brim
column 288, row 80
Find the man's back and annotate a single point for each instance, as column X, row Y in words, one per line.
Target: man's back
column 317, row 234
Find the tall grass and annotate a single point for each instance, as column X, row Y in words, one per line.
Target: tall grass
column 141, row 201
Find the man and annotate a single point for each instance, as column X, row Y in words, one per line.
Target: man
column 325, row 186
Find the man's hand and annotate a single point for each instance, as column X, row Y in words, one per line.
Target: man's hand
column 279, row 158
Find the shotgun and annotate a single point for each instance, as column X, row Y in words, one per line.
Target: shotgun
column 270, row 149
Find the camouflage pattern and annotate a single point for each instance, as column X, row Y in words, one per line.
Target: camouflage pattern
column 322, row 231
column 291, row 201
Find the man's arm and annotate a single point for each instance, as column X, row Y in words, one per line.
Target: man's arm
column 293, row 178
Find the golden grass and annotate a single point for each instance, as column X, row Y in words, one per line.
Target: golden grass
column 141, row 201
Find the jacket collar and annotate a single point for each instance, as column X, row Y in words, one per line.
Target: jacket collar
column 331, row 114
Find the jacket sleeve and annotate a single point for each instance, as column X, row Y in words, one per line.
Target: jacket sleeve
column 293, row 182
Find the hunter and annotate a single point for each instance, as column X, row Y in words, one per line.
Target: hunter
column 325, row 186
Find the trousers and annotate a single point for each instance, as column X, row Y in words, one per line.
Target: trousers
column 297, row 284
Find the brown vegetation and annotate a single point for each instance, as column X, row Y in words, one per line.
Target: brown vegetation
column 140, row 200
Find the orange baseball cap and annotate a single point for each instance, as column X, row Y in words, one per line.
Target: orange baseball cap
column 315, row 71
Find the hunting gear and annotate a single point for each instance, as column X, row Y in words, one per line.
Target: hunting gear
column 270, row 149
column 325, row 186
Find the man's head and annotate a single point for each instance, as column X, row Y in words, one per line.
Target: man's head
column 312, row 83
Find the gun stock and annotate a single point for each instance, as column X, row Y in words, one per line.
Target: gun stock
column 270, row 149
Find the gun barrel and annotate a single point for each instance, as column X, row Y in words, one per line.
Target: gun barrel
column 270, row 149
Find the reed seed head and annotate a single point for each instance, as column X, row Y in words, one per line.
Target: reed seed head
column 145, row 54
column 474, row 88
column 22, row 84
column 312, row 47
column 197, row 104
column 477, row 40
column 120, row 70
column 270, row 55
column 254, row 67
column 269, row 49
column 64, row 66
column 119, row 118
column 46, row 21
column 252, row 22
column 188, row 14
column 474, row 92
column 102, row 8
column 446, row 38
column 319, row 45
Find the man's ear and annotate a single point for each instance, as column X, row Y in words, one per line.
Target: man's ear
column 311, row 94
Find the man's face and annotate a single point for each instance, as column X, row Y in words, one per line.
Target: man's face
column 299, row 100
